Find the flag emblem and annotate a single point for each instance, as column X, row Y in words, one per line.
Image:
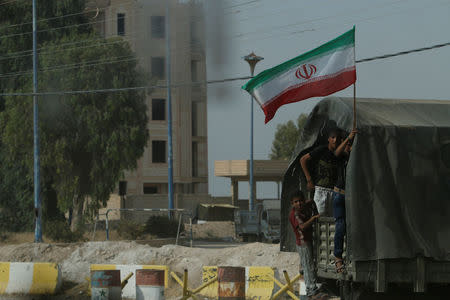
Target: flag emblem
column 306, row 71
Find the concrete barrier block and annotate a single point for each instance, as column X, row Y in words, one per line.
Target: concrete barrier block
column 129, row 291
column 259, row 282
column 29, row 278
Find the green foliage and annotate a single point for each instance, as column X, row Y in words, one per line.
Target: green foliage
column 286, row 137
column 59, row 231
column 86, row 140
column 129, row 229
column 162, row 226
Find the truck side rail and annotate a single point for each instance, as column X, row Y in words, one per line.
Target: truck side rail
column 417, row 272
column 324, row 230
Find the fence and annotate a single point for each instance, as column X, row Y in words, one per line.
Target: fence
column 171, row 212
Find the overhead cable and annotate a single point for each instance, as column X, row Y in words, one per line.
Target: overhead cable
column 208, row 81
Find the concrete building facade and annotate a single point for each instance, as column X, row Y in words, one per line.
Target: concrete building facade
column 143, row 24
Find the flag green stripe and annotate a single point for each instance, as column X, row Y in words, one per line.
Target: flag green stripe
column 343, row 40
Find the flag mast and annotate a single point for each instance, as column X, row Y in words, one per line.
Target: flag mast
column 354, row 86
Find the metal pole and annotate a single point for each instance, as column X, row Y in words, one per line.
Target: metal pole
column 250, row 201
column 37, row 186
column 169, row 112
column 252, row 60
column 107, row 224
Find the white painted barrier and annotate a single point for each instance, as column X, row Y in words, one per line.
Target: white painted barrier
column 29, row 278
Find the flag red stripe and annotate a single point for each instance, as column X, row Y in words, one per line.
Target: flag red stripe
column 317, row 88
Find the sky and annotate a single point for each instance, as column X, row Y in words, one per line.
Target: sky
column 283, row 29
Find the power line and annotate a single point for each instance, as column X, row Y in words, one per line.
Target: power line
column 402, row 53
column 242, row 4
column 292, row 25
column 74, row 65
column 60, row 93
column 142, row 12
column 208, row 81
column 65, row 16
column 126, row 38
column 101, row 61
column 8, row 2
column 334, row 25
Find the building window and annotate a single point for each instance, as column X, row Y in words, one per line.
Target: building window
column 149, row 188
column 158, row 27
column 158, row 109
column 158, row 64
column 194, row 116
column 158, row 151
column 120, row 24
column 194, row 32
column 194, row 159
column 194, row 70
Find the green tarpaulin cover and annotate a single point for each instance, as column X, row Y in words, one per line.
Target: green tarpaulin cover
column 398, row 176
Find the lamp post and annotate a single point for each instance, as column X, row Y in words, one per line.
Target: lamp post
column 169, row 112
column 37, row 185
column 252, row 60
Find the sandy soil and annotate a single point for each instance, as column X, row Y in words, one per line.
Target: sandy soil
column 75, row 258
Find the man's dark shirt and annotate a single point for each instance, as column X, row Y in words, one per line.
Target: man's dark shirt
column 301, row 216
column 325, row 174
column 341, row 172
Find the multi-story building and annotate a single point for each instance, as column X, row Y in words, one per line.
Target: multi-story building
column 143, row 24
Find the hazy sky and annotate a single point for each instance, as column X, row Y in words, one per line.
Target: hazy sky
column 282, row 29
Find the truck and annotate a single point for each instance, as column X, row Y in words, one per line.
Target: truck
column 397, row 198
column 260, row 224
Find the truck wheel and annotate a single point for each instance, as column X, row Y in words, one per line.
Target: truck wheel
column 352, row 291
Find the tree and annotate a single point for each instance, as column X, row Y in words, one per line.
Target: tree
column 286, row 137
column 87, row 140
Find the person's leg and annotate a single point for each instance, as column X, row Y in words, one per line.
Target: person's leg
column 339, row 244
column 329, row 202
column 300, row 268
column 309, row 275
column 320, row 199
column 339, row 214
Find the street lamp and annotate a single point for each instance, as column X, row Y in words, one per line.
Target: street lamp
column 252, row 60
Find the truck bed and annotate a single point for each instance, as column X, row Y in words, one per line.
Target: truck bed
column 418, row 271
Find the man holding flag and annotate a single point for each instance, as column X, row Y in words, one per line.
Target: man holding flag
column 319, row 72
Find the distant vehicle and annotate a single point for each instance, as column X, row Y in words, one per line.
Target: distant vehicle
column 261, row 224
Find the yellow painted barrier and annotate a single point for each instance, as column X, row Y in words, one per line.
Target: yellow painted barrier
column 259, row 282
column 188, row 293
column 29, row 278
column 129, row 291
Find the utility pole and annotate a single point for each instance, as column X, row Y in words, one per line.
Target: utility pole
column 252, row 60
column 37, row 184
column 169, row 111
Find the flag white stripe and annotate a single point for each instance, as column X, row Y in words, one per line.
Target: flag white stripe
column 326, row 65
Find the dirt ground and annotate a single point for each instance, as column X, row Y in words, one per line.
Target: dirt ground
column 75, row 258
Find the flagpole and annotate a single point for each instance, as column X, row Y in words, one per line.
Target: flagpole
column 354, row 105
column 354, row 85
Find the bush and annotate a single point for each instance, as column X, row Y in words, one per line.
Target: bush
column 59, row 231
column 129, row 229
column 161, row 226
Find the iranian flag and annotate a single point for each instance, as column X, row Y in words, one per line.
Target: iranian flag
column 319, row 72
